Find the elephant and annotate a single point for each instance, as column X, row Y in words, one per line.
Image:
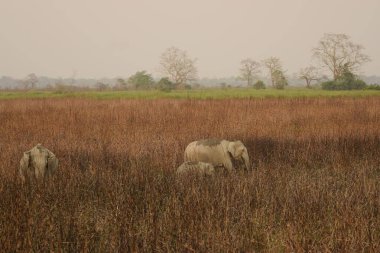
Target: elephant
column 200, row 168
column 229, row 154
column 37, row 163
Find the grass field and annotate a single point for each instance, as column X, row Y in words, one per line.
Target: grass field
column 315, row 185
column 196, row 94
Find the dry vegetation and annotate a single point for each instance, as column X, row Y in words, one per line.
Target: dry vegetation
column 314, row 186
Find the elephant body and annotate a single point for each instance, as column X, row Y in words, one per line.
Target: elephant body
column 38, row 163
column 200, row 168
column 217, row 152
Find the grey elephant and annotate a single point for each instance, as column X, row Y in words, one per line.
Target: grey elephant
column 37, row 163
column 199, row 168
column 229, row 154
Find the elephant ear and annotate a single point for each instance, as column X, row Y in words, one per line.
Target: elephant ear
column 236, row 149
column 239, row 152
column 52, row 162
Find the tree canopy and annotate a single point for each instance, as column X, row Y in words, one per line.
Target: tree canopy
column 337, row 51
column 178, row 66
column 248, row 70
column 141, row 80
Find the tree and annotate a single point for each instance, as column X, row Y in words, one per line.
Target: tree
column 101, row 86
column 309, row 74
column 141, row 80
column 178, row 67
column 30, row 81
column 121, row 83
column 274, row 65
column 279, row 79
column 335, row 51
column 249, row 69
column 276, row 73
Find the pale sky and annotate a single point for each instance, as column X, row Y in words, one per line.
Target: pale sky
column 110, row 38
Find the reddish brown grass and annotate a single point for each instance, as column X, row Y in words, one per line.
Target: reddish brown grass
column 314, row 186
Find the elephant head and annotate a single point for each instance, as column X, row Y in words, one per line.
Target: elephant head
column 239, row 153
column 38, row 163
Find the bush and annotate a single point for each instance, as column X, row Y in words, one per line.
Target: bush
column 165, row 85
column 347, row 81
column 329, row 85
column 356, row 84
column 373, row 87
column 259, row 85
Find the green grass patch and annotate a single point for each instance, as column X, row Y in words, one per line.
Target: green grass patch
column 215, row 93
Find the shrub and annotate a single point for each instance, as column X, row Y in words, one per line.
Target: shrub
column 329, row 85
column 347, row 81
column 165, row 85
column 259, row 85
column 356, row 84
column 373, row 87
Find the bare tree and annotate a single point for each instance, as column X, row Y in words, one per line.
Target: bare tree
column 249, row 69
column 335, row 51
column 177, row 66
column 274, row 66
column 309, row 74
column 30, row 81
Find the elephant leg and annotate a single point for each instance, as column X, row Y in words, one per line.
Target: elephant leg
column 228, row 165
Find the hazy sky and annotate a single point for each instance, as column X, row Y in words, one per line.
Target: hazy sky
column 109, row 38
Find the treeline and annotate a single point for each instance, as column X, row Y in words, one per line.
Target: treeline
column 335, row 54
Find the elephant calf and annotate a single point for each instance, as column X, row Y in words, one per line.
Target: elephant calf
column 199, row 168
column 38, row 163
column 229, row 154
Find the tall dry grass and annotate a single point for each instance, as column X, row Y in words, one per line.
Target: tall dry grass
column 314, row 185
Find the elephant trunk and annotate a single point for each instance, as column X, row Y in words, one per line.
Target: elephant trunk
column 246, row 160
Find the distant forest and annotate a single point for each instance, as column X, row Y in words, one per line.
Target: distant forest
column 42, row 82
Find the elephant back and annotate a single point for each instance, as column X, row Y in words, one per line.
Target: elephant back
column 213, row 151
column 200, row 168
